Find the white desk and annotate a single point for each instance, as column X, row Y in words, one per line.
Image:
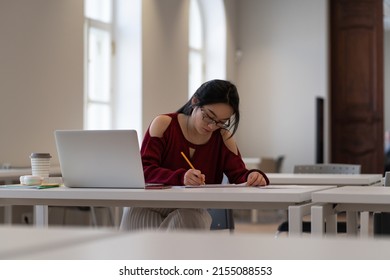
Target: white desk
column 294, row 198
column 321, row 179
column 352, row 199
column 180, row 245
column 25, row 239
column 12, row 175
column 325, row 179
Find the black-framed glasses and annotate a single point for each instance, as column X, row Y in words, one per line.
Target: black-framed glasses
column 209, row 120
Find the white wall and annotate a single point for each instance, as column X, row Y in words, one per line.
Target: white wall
column 282, row 70
column 41, row 75
column 231, row 39
column 164, row 56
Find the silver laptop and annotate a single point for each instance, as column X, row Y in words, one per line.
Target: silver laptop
column 100, row 158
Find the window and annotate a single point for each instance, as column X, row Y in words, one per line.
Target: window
column 113, row 53
column 98, row 105
column 207, row 42
column 196, row 48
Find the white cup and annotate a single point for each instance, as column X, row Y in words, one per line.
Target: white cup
column 40, row 164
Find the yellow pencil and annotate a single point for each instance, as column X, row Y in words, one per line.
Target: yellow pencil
column 189, row 163
column 187, row 160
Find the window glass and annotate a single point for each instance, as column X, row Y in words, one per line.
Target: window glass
column 99, row 10
column 98, row 60
column 113, row 49
column 195, row 72
column 99, row 116
column 196, row 34
column 99, row 57
column 196, row 51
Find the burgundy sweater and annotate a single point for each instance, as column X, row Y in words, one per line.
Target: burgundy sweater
column 163, row 163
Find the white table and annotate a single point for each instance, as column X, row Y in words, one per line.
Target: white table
column 18, row 240
column 353, row 200
column 321, row 179
column 325, row 179
column 294, row 198
column 180, row 245
column 12, row 175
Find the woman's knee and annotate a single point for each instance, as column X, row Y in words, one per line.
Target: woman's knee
column 136, row 218
column 187, row 219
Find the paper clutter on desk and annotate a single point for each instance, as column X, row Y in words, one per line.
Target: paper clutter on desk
column 52, row 180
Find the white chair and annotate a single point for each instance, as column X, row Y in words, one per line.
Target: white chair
column 333, row 168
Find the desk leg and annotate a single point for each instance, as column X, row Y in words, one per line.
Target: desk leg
column 8, row 208
column 331, row 222
column 41, row 215
column 321, row 214
column 364, row 224
column 352, row 223
column 295, row 215
column 254, row 216
column 8, row 214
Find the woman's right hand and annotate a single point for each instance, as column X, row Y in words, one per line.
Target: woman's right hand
column 194, row 177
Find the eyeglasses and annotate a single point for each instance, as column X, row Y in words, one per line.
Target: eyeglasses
column 209, row 120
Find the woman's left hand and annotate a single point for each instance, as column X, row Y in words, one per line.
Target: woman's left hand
column 256, row 179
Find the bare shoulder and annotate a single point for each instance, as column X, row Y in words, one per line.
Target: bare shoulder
column 229, row 140
column 159, row 125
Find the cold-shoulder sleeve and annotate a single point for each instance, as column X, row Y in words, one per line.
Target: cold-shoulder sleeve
column 153, row 152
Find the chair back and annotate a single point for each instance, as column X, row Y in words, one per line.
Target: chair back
column 279, row 163
column 331, row 168
column 271, row 165
column 221, row 219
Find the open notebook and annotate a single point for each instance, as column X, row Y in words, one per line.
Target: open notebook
column 157, row 186
column 217, row 186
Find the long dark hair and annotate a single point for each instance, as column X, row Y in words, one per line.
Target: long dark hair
column 215, row 91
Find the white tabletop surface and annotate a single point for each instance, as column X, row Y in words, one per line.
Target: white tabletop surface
column 353, row 199
column 24, row 239
column 324, row 179
column 181, row 245
column 235, row 198
column 354, row 194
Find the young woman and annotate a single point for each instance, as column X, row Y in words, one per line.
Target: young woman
column 202, row 130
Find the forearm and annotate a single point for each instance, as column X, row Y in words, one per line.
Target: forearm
column 155, row 174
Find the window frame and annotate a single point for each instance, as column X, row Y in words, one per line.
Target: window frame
column 197, row 51
column 90, row 23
